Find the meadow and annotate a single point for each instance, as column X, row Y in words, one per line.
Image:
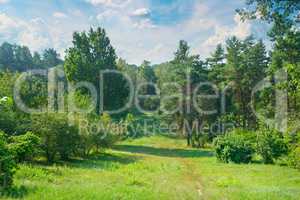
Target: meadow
column 156, row 167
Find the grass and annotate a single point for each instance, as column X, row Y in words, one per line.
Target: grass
column 155, row 168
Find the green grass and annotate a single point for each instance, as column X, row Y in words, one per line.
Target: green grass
column 155, row 168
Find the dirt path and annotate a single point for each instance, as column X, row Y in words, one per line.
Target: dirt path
column 172, row 154
column 193, row 175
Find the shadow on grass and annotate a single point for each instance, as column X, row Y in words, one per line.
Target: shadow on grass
column 14, row 192
column 94, row 161
column 181, row 153
column 102, row 161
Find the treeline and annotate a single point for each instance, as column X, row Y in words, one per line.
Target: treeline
column 20, row 58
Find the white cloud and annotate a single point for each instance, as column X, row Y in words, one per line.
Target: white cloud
column 4, row 1
column 96, row 2
column 159, row 51
column 35, row 35
column 241, row 30
column 9, row 27
column 140, row 19
column 139, row 38
column 134, row 35
column 106, row 14
column 109, row 3
column 59, row 15
column 144, row 24
column 141, row 12
column 7, row 22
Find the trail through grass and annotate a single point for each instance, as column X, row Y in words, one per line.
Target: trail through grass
column 155, row 168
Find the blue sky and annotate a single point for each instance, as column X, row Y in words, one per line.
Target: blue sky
column 139, row 29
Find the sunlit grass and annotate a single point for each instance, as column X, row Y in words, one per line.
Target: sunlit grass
column 155, row 168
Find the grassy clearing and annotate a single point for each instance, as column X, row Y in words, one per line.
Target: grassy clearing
column 156, row 168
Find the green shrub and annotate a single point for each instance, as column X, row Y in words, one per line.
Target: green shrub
column 7, row 116
column 294, row 158
column 105, row 137
column 57, row 135
column 7, row 164
column 24, row 146
column 236, row 147
column 270, row 145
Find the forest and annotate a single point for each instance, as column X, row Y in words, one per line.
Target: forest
column 92, row 126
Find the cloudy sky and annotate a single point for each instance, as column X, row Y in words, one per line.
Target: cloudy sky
column 138, row 29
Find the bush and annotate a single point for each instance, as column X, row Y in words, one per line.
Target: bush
column 24, row 146
column 105, row 137
column 7, row 116
column 7, row 164
column 57, row 135
column 270, row 145
column 294, row 158
column 236, row 147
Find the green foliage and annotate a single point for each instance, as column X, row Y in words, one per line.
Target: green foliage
column 246, row 66
column 90, row 55
column 157, row 159
column 282, row 14
column 51, row 58
column 217, row 65
column 175, row 99
column 7, row 117
column 146, row 77
column 104, row 137
column 236, row 147
column 57, row 135
column 34, row 92
column 270, row 144
column 131, row 122
column 284, row 19
column 294, row 157
column 95, row 134
column 7, row 163
column 19, row 58
column 24, row 147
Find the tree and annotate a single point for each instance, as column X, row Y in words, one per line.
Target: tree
column 246, row 66
column 283, row 15
column 92, row 53
column 187, row 71
column 6, row 56
column 182, row 52
column 284, row 18
column 216, row 65
column 146, row 78
column 147, row 74
column 23, row 58
column 7, row 114
column 51, row 58
column 7, row 164
column 34, row 92
column 286, row 56
column 37, row 61
column 19, row 58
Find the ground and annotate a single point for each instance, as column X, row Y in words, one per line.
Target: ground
column 155, row 167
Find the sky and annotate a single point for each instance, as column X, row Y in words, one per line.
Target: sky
column 138, row 29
